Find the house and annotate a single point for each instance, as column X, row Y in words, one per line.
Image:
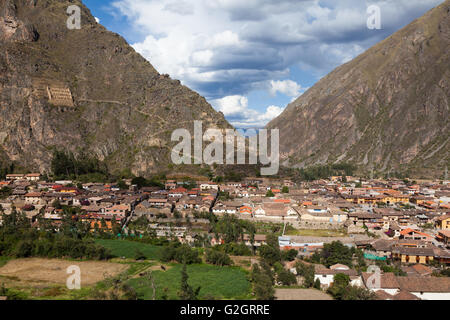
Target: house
column 413, row 255
column 411, row 234
column 386, row 282
column 170, row 184
column 246, row 210
column 14, row 177
column 418, row 270
column 444, row 236
column 209, row 186
column 426, row 288
column 259, row 240
column 326, row 276
column 33, row 198
column 119, row 210
column 33, row 176
column 177, row 192
column 383, row 248
column 274, row 210
column 443, row 222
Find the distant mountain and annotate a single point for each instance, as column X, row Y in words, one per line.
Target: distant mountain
column 388, row 109
column 85, row 91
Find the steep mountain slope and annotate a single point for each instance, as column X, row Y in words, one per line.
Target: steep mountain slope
column 387, row 109
column 85, row 90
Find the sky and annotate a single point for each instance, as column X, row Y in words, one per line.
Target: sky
column 251, row 58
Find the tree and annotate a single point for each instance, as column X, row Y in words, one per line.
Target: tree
column 122, row 185
column 357, row 293
column 285, row 189
column 271, row 251
column 336, row 252
column 340, row 283
column 262, row 284
column 289, row 255
column 307, row 272
column 317, row 284
column 270, row 194
column 186, row 292
column 286, row 277
column 218, row 258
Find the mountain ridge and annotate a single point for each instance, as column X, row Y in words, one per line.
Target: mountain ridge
column 85, row 91
column 371, row 110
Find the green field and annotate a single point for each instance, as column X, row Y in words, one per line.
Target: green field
column 215, row 282
column 128, row 249
column 316, row 233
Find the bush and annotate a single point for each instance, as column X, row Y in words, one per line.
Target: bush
column 286, row 278
column 139, row 255
column 180, row 253
column 289, row 255
column 218, row 258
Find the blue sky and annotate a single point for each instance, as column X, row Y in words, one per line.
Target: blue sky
column 251, row 58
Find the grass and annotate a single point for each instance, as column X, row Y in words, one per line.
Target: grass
column 3, row 260
column 128, row 249
column 215, row 282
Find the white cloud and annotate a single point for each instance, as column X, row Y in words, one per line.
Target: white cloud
column 228, row 48
column 232, row 105
column 97, row 19
column 287, row 87
column 237, row 111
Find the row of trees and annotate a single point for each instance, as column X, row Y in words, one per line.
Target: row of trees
column 325, row 171
column 19, row 239
column 181, row 253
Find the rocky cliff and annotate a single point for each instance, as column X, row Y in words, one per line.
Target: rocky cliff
column 388, row 109
column 86, row 91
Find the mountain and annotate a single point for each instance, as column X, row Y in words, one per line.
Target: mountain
column 388, row 109
column 85, row 91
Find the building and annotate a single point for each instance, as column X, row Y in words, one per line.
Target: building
column 326, row 276
column 443, row 222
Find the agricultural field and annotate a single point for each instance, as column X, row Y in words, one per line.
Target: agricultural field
column 38, row 278
column 128, row 249
column 215, row 282
column 55, row 270
column 45, row 279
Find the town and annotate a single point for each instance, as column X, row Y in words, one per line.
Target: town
column 327, row 231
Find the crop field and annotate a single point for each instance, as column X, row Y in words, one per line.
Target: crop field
column 54, row 271
column 128, row 249
column 215, row 282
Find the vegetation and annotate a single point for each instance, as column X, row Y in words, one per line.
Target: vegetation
column 66, row 165
column 215, row 282
column 323, row 172
column 19, row 239
column 270, row 194
column 333, row 253
column 181, row 253
column 307, row 272
column 286, row 278
column 5, row 192
column 232, row 229
column 218, row 258
column 342, row 290
column 234, row 249
column 271, row 252
column 262, row 284
column 186, row 292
